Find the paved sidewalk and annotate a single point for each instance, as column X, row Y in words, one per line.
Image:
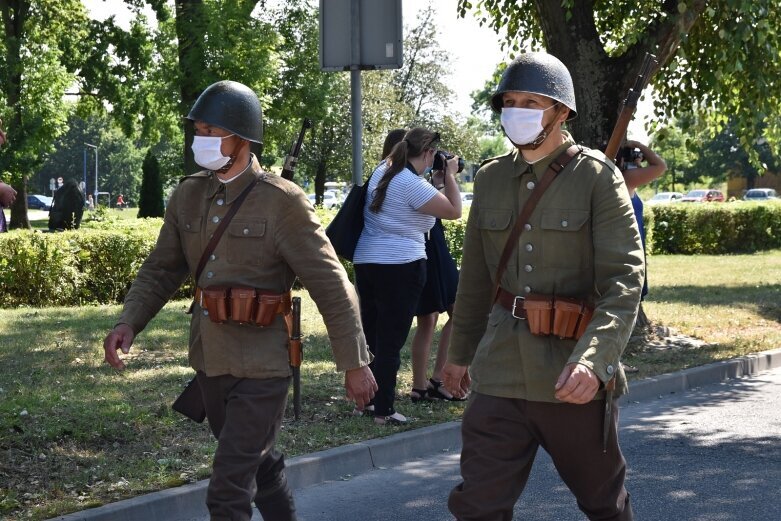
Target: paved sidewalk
column 187, row 503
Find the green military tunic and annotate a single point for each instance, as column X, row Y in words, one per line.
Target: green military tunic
column 581, row 241
column 273, row 237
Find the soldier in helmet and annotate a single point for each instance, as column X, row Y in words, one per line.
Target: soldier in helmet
column 238, row 333
column 562, row 291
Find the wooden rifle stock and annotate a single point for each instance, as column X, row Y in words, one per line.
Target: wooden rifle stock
column 289, row 169
column 629, row 105
column 296, row 355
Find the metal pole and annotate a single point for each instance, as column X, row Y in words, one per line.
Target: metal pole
column 355, row 92
column 84, row 176
column 95, row 192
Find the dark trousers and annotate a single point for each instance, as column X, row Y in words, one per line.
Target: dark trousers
column 245, row 415
column 389, row 296
column 500, row 441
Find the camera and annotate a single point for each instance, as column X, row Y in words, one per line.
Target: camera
column 631, row 154
column 440, row 157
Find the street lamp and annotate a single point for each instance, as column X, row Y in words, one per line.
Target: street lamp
column 96, row 171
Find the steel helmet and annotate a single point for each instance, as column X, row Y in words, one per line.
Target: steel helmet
column 233, row 106
column 538, row 73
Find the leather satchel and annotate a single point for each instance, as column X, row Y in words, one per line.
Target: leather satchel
column 346, row 227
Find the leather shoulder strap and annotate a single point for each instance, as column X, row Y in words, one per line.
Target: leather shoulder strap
column 556, row 166
column 221, row 229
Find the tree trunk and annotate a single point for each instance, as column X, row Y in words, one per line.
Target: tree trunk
column 190, row 28
column 15, row 14
column 602, row 82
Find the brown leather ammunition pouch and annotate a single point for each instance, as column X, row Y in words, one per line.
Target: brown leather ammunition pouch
column 270, row 305
column 549, row 315
column 538, row 313
column 243, row 304
column 215, row 300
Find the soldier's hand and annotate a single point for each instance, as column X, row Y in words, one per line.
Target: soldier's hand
column 121, row 337
column 360, row 385
column 576, row 384
column 456, row 379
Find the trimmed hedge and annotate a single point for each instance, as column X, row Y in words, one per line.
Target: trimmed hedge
column 97, row 264
column 713, row 228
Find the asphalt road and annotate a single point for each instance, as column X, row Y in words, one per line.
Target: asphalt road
column 710, row 454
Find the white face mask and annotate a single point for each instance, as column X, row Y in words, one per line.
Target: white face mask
column 207, row 152
column 521, row 125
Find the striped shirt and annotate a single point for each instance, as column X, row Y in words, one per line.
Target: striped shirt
column 394, row 235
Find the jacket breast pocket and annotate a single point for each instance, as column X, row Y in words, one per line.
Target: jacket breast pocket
column 566, row 237
column 245, row 242
column 494, row 227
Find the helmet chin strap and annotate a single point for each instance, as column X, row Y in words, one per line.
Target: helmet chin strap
column 233, row 155
column 540, row 139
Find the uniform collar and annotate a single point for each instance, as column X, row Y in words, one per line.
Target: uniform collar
column 539, row 167
column 239, row 183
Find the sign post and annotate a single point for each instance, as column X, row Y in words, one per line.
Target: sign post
column 358, row 35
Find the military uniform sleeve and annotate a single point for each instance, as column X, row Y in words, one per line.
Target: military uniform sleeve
column 618, row 274
column 303, row 244
column 160, row 275
column 473, row 300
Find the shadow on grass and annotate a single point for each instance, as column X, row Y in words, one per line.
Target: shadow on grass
column 766, row 299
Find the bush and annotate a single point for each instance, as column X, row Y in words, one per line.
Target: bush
column 713, row 228
column 93, row 265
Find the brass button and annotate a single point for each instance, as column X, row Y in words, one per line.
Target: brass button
column 209, row 274
column 220, row 202
column 564, row 223
column 245, row 231
column 527, row 227
column 527, row 289
column 609, row 369
column 206, row 312
column 528, row 268
column 529, row 247
column 212, row 257
column 530, row 185
column 215, row 219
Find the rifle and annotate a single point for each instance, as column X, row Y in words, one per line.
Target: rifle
column 296, row 353
column 629, row 105
column 291, row 160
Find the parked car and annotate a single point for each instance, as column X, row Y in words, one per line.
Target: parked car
column 466, row 198
column 39, row 202
column 760, row 194
column 665, row 197
column 703, row 196
column 329, row 200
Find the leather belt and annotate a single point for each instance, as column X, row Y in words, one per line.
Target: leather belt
column 512, row 303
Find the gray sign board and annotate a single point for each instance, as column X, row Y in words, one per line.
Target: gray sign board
column 360, row 34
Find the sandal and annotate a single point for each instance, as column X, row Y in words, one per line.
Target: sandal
column 367, row 411
column 437, row 391
column 393, row 419
column 419, row 395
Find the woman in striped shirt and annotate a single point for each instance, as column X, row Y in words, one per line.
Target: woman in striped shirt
column 390, row 257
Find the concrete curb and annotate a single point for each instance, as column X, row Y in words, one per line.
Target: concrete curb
column 187, row 503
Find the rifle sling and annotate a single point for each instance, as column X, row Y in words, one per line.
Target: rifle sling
column 556, row 166
column 221, row 229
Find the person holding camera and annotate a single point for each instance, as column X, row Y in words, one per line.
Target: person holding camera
column 548, row 292
column 390, row 257
column 630, row 162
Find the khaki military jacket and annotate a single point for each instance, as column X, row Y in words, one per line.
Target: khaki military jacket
column 273, row 237
column 581, row 241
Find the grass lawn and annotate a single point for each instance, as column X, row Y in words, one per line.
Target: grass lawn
column 75, row 433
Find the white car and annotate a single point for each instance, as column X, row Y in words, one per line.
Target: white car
column 329, row 200
column 665, row 197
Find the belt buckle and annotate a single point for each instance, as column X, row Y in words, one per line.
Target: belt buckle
column 516, row 305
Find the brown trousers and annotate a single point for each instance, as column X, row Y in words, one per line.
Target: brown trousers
column 245, row 416
column 500, row 440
